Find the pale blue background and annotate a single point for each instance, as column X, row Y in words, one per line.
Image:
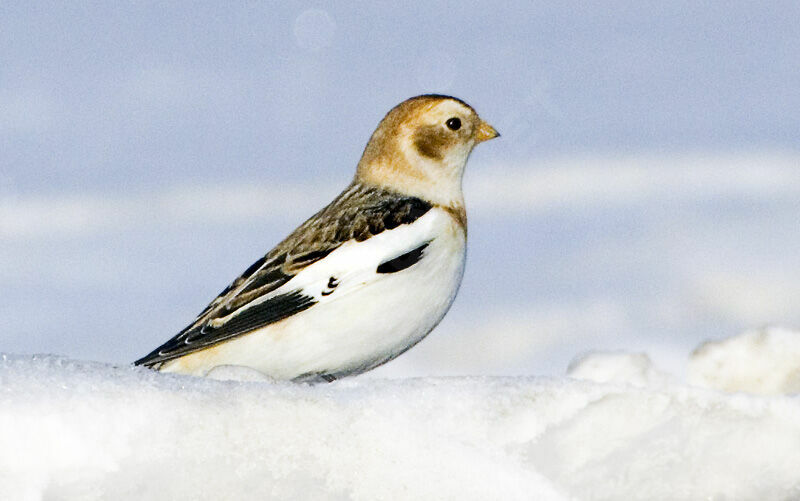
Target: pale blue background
column 149, row 153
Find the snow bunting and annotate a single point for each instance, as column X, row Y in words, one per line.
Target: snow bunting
column 363, row 280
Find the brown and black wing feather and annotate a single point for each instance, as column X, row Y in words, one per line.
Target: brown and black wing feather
column 205, row 335
column 358, row 213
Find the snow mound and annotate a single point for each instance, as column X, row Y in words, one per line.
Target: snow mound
column 763, row 361
column 84, row 431
column 616, row 367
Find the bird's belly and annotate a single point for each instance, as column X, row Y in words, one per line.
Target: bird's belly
column 352, row 333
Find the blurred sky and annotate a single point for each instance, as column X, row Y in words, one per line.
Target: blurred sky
column 645, row 194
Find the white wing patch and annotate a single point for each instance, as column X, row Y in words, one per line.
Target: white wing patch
column 354, row 264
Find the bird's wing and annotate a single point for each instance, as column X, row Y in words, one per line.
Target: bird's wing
column 284, row 282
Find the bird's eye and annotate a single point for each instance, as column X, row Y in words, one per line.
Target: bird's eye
column 453, row 123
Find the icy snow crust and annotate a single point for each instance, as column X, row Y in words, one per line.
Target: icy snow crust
column 82, row 431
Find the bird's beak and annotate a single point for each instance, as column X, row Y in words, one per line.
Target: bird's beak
column 485, row 132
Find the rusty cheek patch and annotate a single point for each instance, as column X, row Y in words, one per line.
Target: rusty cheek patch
column 431, row 142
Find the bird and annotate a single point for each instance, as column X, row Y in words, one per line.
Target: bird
column 364, row 279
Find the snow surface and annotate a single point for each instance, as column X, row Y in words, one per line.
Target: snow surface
column 765, row 361
column 617, row 367
column 74, row 430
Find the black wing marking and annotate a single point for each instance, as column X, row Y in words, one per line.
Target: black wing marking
column 333, row 283
column 402, row 262
column 246, row 320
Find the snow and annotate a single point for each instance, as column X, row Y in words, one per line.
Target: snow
column 632, row 368
column 617, row 428
column 765, row 361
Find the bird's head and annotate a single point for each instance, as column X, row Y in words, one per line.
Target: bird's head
column 421, row 146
